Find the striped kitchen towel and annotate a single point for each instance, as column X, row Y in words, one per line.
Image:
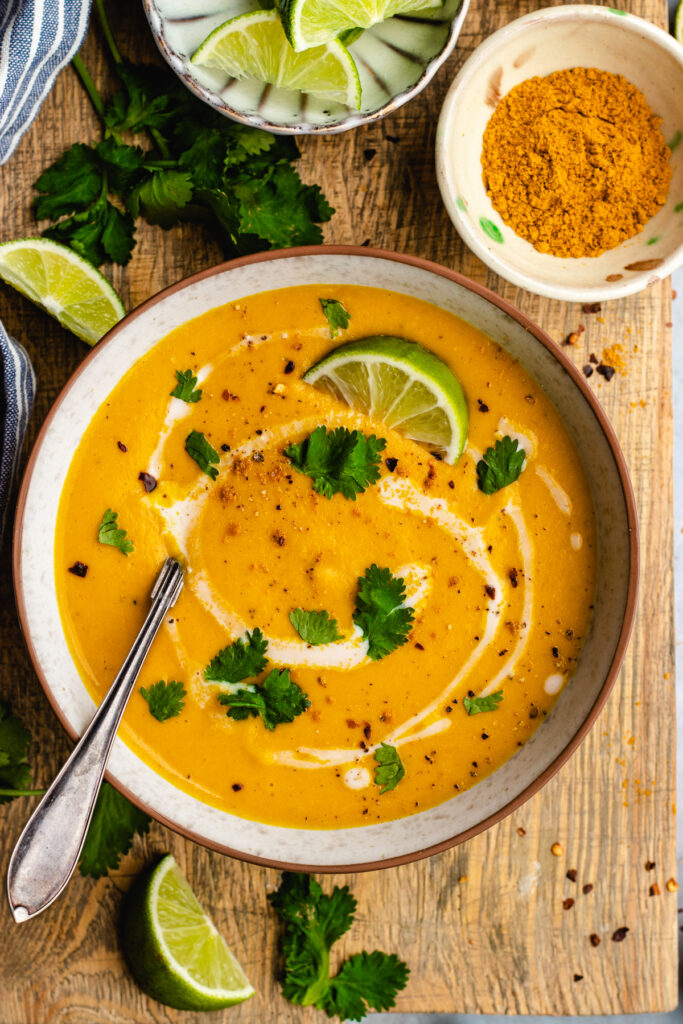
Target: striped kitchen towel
column 37, row 39
column 16, row 398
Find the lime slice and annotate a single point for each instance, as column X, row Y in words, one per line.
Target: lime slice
column 254, row 45
column 678, row 23
column 401, row 384
column 316, row 22
column 63, row 284
column 173, row 948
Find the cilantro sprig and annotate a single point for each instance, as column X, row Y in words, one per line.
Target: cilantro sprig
column 203, row 453
column 337, row 317
column 277, row 700
column 389, row 769
column 166, row 700
column 313, row 922
column 114, row 825
column 476, row 705
column 501, row 465
column 315, row 627
column 185, row 388
column 109, row 532
column 380, row 612
column 15, row 772
column 242, row 659
column 186, row 163
column 339, row 461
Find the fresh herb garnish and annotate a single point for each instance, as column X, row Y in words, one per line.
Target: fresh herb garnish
column 314, row 921
column 340, row 461
column 114, row 824
column 185, row 388
column 203, row 453
column 315, row 627
column 166, row 700
column 475, row 705
column 277, row 700
column 239, row 660
column 380, row 612
column 15, row 773
column 389, row 770
column 336, row 316
column 501, row 465
column 195, row 165
column 109, row 533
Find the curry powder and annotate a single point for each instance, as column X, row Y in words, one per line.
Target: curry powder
column 575, row 162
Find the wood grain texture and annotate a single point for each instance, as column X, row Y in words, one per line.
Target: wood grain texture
column 483, row 926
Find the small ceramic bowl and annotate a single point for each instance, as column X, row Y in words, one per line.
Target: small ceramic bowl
column 395, row 60
column 538, row 44
column 468, row 813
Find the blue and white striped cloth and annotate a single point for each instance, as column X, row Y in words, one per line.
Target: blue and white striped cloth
column 37, row 39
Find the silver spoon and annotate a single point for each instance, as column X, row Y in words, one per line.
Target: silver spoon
column 48, row 849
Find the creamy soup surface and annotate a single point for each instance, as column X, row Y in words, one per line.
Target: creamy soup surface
column 501, row 585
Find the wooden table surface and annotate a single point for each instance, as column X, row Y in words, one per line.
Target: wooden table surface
column 483, row 926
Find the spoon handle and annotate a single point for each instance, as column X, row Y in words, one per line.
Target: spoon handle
column 48, row 849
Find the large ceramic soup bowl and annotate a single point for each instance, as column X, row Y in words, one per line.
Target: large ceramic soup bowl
column 558, row 538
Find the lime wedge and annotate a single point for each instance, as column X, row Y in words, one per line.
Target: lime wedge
column 678, row 23
column 254, row 45
column 401, row 384
column 63, row 284
column 173, row 948
column 315, row 22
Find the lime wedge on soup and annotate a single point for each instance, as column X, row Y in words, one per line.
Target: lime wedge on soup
column 254, row 46
column 173, row 948
column 62, row 283
column 401, row 384
column 314, row 22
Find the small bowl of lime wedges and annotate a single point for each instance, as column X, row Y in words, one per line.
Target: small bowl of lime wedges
column 306, row 66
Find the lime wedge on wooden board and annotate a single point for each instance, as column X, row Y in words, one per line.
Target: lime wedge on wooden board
column 173, row 948
column 401, row 384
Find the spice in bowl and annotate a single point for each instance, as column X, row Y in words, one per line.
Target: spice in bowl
column 575, row 162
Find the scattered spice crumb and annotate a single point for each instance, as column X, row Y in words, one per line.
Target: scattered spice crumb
column 650, row 865
column 521, row 831
column 587, row 888
column 571, row 874
column 148, row 481
column 289, row 366
column 568, row 903
column 595, row 940
column 572, row 338
column 578, row 977
column 593, row 359
column 557, row 849
column 490, row 591
column 613, row 356
column 236, row 786
column 606, row 371
column 672, row 885
column 591, row 307
column 620, row 934
column 121, row 446
column 483, row 407
column 654, row 890
column 588, row 370
column 79, row 569
column 391, row 464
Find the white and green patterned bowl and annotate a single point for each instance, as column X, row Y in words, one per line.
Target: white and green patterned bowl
column 538, row 44
column 395, row 60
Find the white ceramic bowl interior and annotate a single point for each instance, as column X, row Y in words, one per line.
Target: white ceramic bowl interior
column 342, row 848
column 395, row 60
column 538, row 44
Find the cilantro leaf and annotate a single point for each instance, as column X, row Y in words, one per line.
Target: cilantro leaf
column 161, row 197
column 149, row 99
column 71, row 183
column 103, row 232
column 314, row 921
column 184, row 389
column 278, row 207
column 366, row 981
column 203, row 453
column 123, row 164
column 277, row 700
column 315, row 627
column 15, row 773
column 109, row 533
column 166, row 700
column 336, row 316
column 340, row 462
column 114, row 824
column 239, row 660
column 380, row 612
column 501, row 465
column 389, row 770
column 475, row 705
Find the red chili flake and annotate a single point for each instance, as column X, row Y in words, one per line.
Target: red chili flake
column 655, row 890
column 568, row 903
column 237, row 786
column 257, row 457
column 484, row 735
column 279, row 539
column 490, row 591
column 351, row 723
column 148, row 481
column 591, row 307
column 391, row 464
column 121, row 446
column 513, row 577
column 289, row 366
column 571, row 874
column 555, row 652
column 606, row 371
column 483, row 407
column 451, row 485
column 79, row 569
column 225, row 447
column 533, row 712
column 367, row 729
column 593, row 359
column 650, row 865
column 595, row 940
column 587, row 888
column 578, row 977
column 521, row 831
column 588, row 370
column 368, row 154
column 419, row 647
column 620, row 934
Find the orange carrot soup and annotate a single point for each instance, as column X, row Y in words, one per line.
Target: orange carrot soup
column 365, row 629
